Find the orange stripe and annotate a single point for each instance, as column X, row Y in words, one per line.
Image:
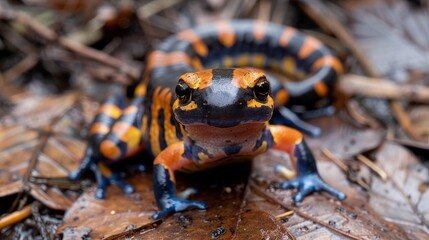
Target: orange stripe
column 110, row 150
column 105, row 171
column 330, row 61
column 259, row 30
column 281, row 98
column 162, row 59
column 198, row 44
column 227, row 36
column 110, row 110
column 130, row 110
column 154, row 127
column 310, row 44
column 200, row 80
column 321, row 89
column 170, row 129
column 98, row 128
column 286, row 36
column 246, row 77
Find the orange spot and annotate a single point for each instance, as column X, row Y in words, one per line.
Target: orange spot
column 198, row 44
column 140, row 89
column 281, row 98
column 227, row 35
column 196, row 63
column 259, row 30
column 246, row 77
column 162, row 59
column 329, row 61
column 144, row 124
column 105, row 171
column 128, row 134
column 310, row 44
column 286, row 36
column 201, row 79
column 110, row 110
column 110, row 150
column 255, row 104
column 321, row 89
column 98, row 128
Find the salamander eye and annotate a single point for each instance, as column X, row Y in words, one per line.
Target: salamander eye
column 183, row 92
column 262, row 89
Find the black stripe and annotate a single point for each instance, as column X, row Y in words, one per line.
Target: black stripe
column 161, row 139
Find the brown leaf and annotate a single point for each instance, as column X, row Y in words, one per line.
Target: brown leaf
column 225, row 218
column 400, row 199
column 21, row 138
column 115, row 214
column 319, row 215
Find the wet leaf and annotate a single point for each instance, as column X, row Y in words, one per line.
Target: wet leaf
column 20, row 136
column 115, row 214
column 401, row 199
column 225, row 218
column 319, row 215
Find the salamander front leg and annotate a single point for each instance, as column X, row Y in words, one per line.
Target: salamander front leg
column 308, row 179
column 169, row 160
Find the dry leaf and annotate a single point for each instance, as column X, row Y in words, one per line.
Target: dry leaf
column 403, row 199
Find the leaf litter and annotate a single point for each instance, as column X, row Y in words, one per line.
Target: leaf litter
column 241, row 205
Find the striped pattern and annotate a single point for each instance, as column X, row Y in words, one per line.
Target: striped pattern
column 239, row 43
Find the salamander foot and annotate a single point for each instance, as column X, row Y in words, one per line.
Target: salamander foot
column 104, row 176
column 308, row 184
column 114, row 178
column 172, row 205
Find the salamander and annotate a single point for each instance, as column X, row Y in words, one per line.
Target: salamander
column 204, row 100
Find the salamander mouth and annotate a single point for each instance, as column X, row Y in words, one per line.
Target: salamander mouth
column 226, row 122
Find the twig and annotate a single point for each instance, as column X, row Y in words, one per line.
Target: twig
column 285, row 214
column 350, row 173
column 372, row 166
column 82, row 50
column 334, row 159
column 377, row 87
column 271, row 197
column 354, row 110
column 404, row 120
column 15, row 217
column 20, row 68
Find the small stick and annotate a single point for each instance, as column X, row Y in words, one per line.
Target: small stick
column 15, row 217
column 50, row 35
column 372, row 166
column 381, row 88
column 334, row 159
column 285, row 214
column 20, row 68
column 351, row 176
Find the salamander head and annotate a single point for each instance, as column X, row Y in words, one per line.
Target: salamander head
column 223, row 98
